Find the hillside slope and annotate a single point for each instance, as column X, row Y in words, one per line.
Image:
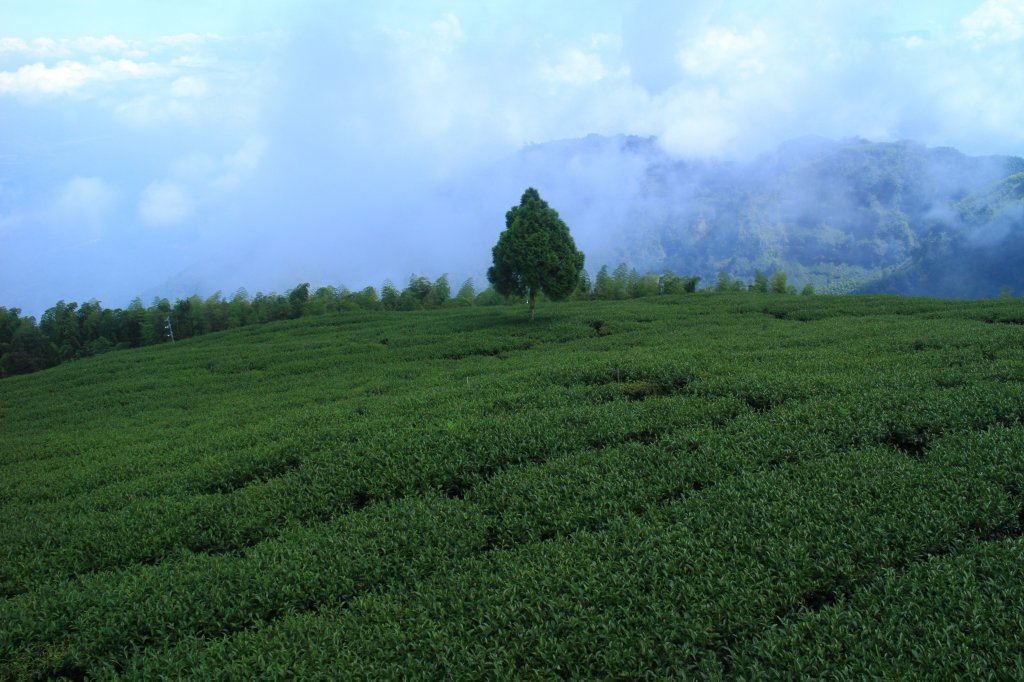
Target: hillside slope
column 977, row 260
column 713, row 485
column 837, row 214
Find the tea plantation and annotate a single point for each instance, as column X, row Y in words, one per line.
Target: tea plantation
column 717, row 486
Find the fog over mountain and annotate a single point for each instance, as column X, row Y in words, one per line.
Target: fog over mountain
column 842, row 215
column 200, row 147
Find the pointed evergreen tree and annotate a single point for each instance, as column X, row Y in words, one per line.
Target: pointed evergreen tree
column 466, row 295
column 779, row 284
column 585, row 288
column 440, row 292
column 389, row 295
column 620, row 281
column 535, row 254
column 760, row 284
column 603, row 285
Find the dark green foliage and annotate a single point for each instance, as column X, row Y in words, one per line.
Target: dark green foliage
column 465, row 296
column 623, row 281
column 440, row 293
column 365, row 299
column 419, row 288
column 389, row 295
column 29, row 351
column 297, row 299
column 604, row 286
column 724, row 283
column 23, row 348
column 673, row 284
column 779, row 285
column 626, row 282
column 760, row 283
column 648, row 285
column 585, row 288
column 73, row 332
column 489, row 297
column 535, row 254
column 704, row 486
column 10, row 320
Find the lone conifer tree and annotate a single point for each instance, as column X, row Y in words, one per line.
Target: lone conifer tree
column 535, row 253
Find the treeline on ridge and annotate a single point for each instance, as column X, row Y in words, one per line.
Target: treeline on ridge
column 69, row 331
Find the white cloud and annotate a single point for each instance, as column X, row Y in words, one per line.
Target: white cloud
column 575, row 67
column 165, row 204
column 185, row 40
column 994, row 22
column 447, row 33
column 442, row 37
column 49, row 48
column 64, row 66
column 9, row 44
column 697, row 123
column 83, row 206
column 913, row 42
column 249, row 155
column 93, row 45
column 38, row 48
column 150, row 111
column 199, row 168
column 45, row 48
column 242, row 163
column 723, row 51
column 188, row 80
column 189, row 87
column 68, row 76
column 600, row 61
column 194, row 167
column 36, row 79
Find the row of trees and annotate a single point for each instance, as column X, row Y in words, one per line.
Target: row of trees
column 535, row 255
column 68, row 331
column 778, row 284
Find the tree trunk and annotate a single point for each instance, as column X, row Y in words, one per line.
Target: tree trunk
column 533, row 303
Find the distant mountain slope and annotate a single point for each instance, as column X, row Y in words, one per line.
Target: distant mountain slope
column 839, row 214
column 977, row 254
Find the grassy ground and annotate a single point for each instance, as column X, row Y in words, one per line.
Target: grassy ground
column 711, row 485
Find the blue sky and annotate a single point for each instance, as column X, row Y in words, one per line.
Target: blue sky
column 157, row 147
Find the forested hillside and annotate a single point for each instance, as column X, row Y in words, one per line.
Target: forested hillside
column 982, row 256
column 840, row 215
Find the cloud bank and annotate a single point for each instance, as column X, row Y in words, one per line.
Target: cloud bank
column 315, row 142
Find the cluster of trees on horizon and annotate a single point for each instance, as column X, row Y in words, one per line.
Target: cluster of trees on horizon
column 69, row 331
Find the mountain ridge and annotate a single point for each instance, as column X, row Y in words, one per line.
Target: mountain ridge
column 844, row 215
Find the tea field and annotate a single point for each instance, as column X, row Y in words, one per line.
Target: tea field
column 715, row 486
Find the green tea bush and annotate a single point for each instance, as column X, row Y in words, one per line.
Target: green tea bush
column 722, row 486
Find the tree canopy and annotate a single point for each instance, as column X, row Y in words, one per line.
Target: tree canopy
column 535, row 254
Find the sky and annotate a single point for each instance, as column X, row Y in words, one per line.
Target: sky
column 167, row 148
